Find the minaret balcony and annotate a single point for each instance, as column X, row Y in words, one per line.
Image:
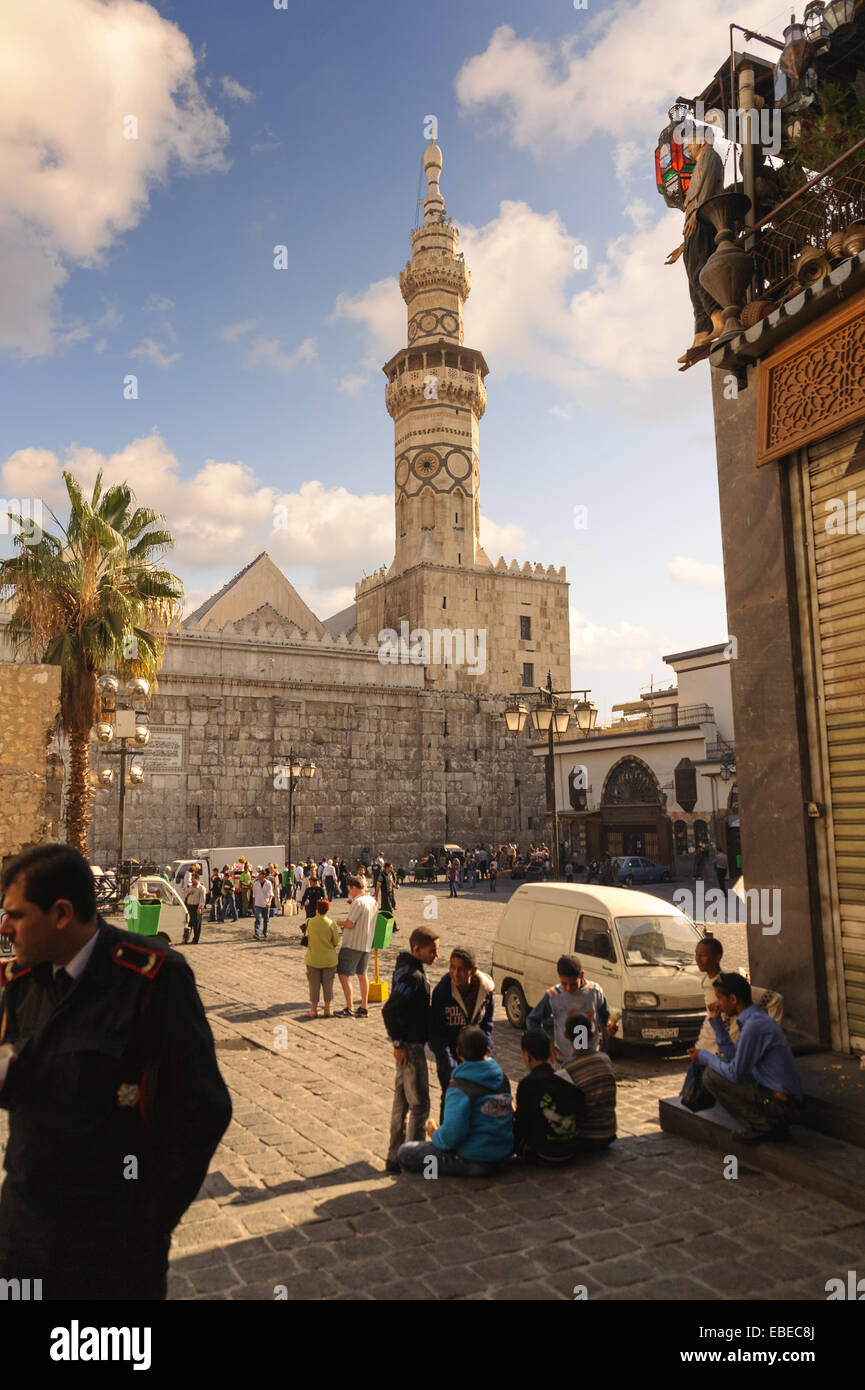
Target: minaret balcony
column 452, row 386
column 435, row 273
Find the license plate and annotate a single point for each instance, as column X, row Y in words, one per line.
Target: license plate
column 660, row 1032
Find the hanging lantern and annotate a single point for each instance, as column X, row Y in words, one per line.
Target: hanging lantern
column 794, row 86
column 672, row 167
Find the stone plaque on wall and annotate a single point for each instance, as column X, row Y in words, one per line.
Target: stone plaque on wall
column 165, row 751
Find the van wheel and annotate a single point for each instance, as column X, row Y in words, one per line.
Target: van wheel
column 629, row 880
column 515, row 1007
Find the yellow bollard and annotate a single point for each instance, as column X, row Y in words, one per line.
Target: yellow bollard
column 378, row 988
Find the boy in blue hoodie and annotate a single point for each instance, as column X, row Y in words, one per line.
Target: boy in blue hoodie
column 477, row 1133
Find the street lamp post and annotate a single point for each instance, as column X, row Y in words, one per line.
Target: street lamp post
column 286, row 776
column 552, row 716
column 129, row 726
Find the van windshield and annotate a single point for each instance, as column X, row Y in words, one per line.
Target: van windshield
column 662, row 940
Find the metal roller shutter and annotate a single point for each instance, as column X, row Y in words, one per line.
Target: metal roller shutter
column 836, row 475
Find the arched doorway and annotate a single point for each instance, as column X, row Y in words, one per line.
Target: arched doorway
column 633, row 812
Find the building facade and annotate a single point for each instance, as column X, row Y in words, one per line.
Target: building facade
column 659, row 780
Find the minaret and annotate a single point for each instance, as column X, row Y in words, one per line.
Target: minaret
column 436, row 397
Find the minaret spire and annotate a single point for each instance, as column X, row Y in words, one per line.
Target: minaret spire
column 433, row 203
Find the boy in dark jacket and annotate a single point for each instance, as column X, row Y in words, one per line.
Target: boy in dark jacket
column 465, row 995
column 478, row 1130
column 549, row 1109
column 406, row 1018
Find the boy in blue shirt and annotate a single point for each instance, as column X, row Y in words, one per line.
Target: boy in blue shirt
column 478, row 1128
column 573, row 994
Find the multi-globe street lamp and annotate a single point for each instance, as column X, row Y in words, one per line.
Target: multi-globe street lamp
column 128, row 725
column 551, row 714
column 287, row 774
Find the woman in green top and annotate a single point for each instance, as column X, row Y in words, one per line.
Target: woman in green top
column 321, row 957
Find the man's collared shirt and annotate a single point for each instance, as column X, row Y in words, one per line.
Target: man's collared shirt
column 262, row 893
column 762, row 1054
column 78, row 964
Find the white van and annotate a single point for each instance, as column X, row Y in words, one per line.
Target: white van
column 638, row 948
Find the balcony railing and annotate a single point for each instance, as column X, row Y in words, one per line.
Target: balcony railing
column 827, row 203
column 688, row 716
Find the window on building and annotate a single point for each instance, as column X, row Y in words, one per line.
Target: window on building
column 525, row 629
column 476, row 755
column 480, row 812
column 444, row 602
column 528, row 673
column 447, row 764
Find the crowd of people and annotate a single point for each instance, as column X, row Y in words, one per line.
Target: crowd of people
column 565, row 1105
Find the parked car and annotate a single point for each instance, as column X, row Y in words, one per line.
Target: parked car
column 633, row 868
column 639, row 949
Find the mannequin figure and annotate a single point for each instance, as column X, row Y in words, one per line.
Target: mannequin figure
column 707, row 180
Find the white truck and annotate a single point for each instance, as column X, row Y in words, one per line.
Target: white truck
column 220, row 855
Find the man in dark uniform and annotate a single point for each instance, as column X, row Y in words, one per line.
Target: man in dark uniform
column 108, row 1071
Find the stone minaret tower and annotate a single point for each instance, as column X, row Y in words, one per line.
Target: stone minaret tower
column 436, row 397
column 441, row 581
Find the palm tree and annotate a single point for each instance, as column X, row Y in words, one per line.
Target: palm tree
column 89, row 600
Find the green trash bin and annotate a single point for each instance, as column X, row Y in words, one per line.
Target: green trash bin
column 384, row 925
column 147, row 923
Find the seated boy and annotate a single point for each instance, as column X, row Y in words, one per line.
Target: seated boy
column 573, row 993
column 592, row 1073
column 478, row 1129
column 549, row 1108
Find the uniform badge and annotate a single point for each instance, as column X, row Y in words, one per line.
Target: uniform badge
column 128, row 1094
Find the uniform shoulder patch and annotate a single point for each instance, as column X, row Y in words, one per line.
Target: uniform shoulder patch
column 138, row 958
column 8, row 973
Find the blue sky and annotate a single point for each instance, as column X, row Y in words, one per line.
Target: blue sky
column 304, row 127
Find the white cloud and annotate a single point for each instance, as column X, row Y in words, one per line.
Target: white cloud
column 266, row 352
column 71, row 73
column 271, row 141
column 155, row 354
column 236, row 91
column 379, row 310
column 503, row 538
column 353, row 385
column 562, row 411
column 627, row 316
column 696, row 573
column 552, row 97
column 225, row 514
column 232, row 331
column 158, row 304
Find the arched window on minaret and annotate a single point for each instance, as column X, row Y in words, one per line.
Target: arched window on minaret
column 459, row 502
column 428, row 508
column 402, row 517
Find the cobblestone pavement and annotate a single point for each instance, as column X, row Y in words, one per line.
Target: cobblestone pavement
column 297, row 1195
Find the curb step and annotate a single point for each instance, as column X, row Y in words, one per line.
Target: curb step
column 818, row 1162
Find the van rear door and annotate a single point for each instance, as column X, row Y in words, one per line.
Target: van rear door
column 552, row 934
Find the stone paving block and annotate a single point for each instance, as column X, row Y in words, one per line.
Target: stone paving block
column 680, row 1288
column 402, row 1193
column 363, row 1275
column 535, row 1292
column 372, row 1222
column 178, row 1287
column 291, row 1238
column 458, row 1250
column 317, row 1256
column 606, row 1245
column 734, row 1277
column 349, row 1204
column 505, row 1269
column 362, row 1248
column 587, row 1222
column 260, row 1293
column 199, row 1259
column 262, row 1220
column 451, row 1283
column 552, row 1258
column 628, row 1269
column 208, row 1233
column 403, row 1290
column 215, row 1279
column 778, row 1265
column 409, row 1263
column 275, row 1265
